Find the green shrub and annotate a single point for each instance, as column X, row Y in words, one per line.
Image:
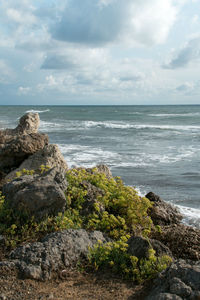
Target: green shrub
column 118, row 211
column 114, row 256
column 125, row 212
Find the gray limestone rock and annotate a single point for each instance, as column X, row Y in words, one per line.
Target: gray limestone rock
column 50, row 156
column 37, row 195
column 181, row 280
column 55, row 252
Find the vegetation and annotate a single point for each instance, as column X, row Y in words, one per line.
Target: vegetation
column 115, row 209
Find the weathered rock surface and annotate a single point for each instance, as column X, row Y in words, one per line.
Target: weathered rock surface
column 163, row 213
column 18, row 144
column 139, row 247
column 50, row 156
column 20, row 148
column 183, row 241
column 181, row 280
column 101, row 169
column 38, row 195
column 28, row 123
column 55, row 252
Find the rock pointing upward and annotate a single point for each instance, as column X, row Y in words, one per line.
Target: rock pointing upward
column 18, row 144
column 29, row 123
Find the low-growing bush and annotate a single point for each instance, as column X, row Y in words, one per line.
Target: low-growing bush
column 114, row 256
column 124, row 211
column 117, row 210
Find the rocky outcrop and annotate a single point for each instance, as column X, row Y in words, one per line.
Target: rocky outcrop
column 28, row 123
column 163, row 213
column 183, row 241
column 139, row 247
column 20, row 148
column 50, row 156
column 37, row 195
column 54, row 253
column 18, row 144
column 181, row 281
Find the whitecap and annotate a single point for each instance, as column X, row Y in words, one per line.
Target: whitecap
column 125, row 125
column 176, row 115
column 50, row 126
column 191, row 216
column 37, row 111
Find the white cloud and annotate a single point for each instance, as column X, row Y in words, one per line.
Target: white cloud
column 6, row 73
column 187, row 54
column 139, row 21
column 23, row 90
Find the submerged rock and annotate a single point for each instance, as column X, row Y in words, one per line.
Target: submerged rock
column 163, row 213
column 38, row 195
column 55, row 252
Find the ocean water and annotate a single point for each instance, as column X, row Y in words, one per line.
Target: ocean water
column 154, row 148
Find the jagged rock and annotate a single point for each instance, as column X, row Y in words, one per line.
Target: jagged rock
column 20, row 148
column 104, row 169
column 181, row 280
column 50, row 156
column 163, row 213
column 101, row 169
column 38, row 195
column 18, row 144
column 55, row 252
column 183, row 241
column 139, row 247
column 28, row 123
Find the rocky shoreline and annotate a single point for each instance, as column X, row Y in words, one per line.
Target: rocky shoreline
column 41, row 191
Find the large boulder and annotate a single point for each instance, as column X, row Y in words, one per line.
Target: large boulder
column 181, row 280
column 38, row 195
column 18, row 144
column 163, row 213
column 55, row 252
column 49, row 156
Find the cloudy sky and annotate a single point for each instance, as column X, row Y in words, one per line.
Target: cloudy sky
column 99, row 52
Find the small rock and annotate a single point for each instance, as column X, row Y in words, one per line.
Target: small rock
column 180, row 288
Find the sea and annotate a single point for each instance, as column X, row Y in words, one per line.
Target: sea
column 152, row 148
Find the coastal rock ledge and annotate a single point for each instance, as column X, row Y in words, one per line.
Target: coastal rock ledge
column 42, row 194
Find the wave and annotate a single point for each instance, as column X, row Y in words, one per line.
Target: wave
column 175, row 115
column 37, row 111
column 123, row 125
column 50, row 126
column 87, row 156
column 191, row 216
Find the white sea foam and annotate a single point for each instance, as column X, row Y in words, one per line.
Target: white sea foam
column 50, row 126
column 125, row 125
column 37, row 111
column 175, row 115
column 87, row 156
column 191, row 215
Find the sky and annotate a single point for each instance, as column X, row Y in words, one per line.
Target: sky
column 99, row 52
